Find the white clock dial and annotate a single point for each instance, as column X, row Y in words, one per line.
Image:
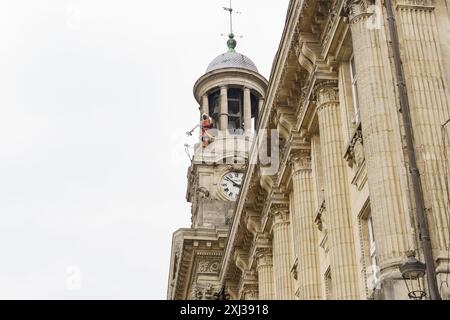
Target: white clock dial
column 231, row 184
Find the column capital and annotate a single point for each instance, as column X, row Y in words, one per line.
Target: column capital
column 326, row 93
column 359, row 9
column 300, row 160
column 264, row 258
column 280, row 213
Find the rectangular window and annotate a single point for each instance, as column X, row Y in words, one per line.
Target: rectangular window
column 373, row 255
column 369, row 250
column 214, row 108
column 235, row 111
column 354, row 79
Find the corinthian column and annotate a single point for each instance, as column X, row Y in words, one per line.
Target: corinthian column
column 341, row 243
column 303, row 227
column 265, row 274
column 426, row 83
column 382, row 139
column 282, row 259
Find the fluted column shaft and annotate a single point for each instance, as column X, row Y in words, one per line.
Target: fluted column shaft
column 223, row 109
column 341, row 242
column 304, row 230
column 265, row 276
column 382, row 140
column 282, row 259
column 426, row 83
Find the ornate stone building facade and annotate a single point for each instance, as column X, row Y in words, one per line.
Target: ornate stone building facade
column 338, row 216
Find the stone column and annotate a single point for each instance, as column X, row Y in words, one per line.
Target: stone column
column 260, row 105
column 247, row 110
column 205, row 104
column 265, row 275
column 340, row 227
column 303, row 227
column 426, row 84
column 382, row 138
column 223, row 109
column 282, row 259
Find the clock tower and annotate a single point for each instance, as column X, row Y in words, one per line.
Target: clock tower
column 231, row 93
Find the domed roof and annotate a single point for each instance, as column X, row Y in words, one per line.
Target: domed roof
column 232, row 59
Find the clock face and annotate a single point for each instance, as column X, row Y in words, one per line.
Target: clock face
column 231, row 184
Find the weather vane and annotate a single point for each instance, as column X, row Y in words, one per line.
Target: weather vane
column 230, row 10
column 231, row 43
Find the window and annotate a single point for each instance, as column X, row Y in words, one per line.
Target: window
column 235, row 111
column 214, row 108
column 375, row 278
column 354, row 79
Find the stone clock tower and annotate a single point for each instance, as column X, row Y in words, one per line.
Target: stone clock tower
column 232, row 93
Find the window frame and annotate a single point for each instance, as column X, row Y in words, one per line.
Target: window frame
column 355, row 95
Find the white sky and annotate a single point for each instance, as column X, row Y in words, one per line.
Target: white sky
column 95, row 96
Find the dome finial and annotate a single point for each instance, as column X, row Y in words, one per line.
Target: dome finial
column 231, row 43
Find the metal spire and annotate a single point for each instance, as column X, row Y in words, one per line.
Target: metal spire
column 231, row 43
column 230, row 10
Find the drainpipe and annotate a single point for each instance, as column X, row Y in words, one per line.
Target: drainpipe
column 414, row 171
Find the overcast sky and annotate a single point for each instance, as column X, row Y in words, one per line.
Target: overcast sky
column 95, row 96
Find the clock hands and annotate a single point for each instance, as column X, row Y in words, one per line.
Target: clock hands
column 233, row 182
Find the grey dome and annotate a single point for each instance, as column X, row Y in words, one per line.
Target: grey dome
column 232, row 60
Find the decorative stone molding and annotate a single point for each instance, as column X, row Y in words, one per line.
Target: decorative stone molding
column 264, row 258
column 300, row 160
column 250, row 291
column 416, row 4
column 203, row 193
column 359, row 9
column 197, row 293
column 326, row 93
column 208, row 292
column 333, row 19
column 252, row 221
column 320, row 219
column 294, row 270
column 208, row 266
column 355, row 156
column 355, row 150
column 241, row 259
column 280, row 213
column 222, row 294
